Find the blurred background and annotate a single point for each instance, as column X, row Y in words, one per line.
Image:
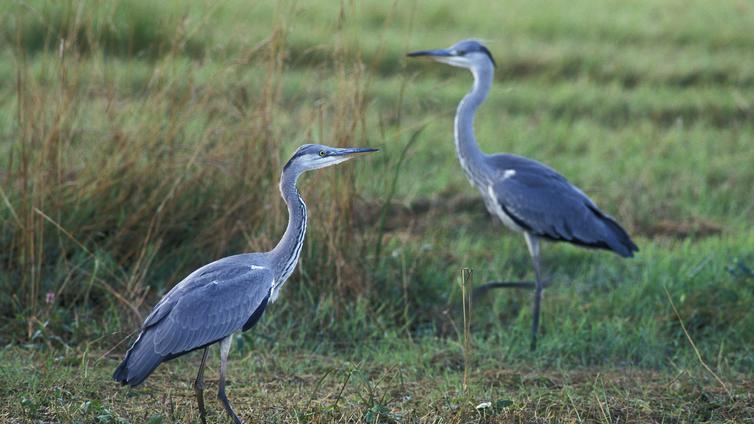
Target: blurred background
column 142, row 139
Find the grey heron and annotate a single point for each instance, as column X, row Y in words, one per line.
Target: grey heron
column 228, row 295
column 527, row 196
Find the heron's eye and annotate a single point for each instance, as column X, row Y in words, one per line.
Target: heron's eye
column 460, row 53
column 321, row 153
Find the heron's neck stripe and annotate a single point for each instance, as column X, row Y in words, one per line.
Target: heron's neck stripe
column 293, row 257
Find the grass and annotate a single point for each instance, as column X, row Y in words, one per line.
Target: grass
column 396, row 381
column 144, row 139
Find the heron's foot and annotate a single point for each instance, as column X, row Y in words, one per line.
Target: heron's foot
column 484, row 288
column 199, row 390
column 226, row 404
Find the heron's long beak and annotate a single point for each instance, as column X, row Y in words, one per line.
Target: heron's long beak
column 432, row 53
column 351, row 151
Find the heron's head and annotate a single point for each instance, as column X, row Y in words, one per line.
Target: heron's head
column 315, row 156
column 469, row 54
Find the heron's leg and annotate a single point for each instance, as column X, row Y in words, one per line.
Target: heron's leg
column 532, row 242
column 199, row 387
column 224, row 350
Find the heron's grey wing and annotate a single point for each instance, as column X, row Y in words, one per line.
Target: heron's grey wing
column 209, row 307
column 544, row 203
column 223, row 269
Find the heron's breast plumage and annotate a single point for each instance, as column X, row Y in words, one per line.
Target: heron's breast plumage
column 496, row 209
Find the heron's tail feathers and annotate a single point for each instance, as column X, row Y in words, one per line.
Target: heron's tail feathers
column 618, row 239
column 139, row 362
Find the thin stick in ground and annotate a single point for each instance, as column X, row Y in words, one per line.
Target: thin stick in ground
column 466, row 286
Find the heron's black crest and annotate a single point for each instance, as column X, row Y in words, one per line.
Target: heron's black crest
column 290, row 161
column 303, row 150
column 472, row 46
column 486, row 51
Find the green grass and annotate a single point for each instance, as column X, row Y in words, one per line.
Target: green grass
column 393, row 380
column 150, row 142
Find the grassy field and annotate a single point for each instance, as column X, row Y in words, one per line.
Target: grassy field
column 140, row 140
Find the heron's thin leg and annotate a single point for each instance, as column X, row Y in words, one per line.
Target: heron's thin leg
column 532, row 242
column 224, row 350
column 199, row 387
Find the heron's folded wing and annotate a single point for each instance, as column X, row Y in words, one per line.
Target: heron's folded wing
column 548, row 206
column 214, row 305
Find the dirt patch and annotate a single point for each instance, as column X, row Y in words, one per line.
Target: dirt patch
column 420, row 213
column 693, row 227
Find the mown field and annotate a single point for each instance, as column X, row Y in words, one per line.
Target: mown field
column 140, row 140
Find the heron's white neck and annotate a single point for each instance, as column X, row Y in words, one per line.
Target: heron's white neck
column 469, row 154
column 288, row 250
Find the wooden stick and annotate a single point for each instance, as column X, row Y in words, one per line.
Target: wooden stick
column 466, row 286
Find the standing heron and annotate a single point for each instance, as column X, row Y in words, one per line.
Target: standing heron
column 228, row 295
column 527, row 196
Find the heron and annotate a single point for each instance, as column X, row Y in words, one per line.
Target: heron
column 528, row 196
column 229, row 295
